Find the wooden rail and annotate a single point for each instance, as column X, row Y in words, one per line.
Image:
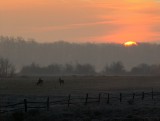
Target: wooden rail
column 106, row 98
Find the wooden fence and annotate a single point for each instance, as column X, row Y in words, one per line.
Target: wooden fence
column 101, row 98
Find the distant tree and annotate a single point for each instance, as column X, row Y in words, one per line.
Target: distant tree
column 145, row 69
column 155, row 69
column 142, row 69
column 6, row 68
column 35, row 69
column 106, row 70
column 85, row 69
column 54, row 69
column 116, row 68
column 31, row 69
column 69, row 69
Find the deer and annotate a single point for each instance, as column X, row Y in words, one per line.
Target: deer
column 40, row 82
column 61, row 81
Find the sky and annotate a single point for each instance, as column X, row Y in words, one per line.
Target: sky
column 109, row 21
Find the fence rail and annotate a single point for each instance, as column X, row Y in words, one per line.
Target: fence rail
column 101, row 98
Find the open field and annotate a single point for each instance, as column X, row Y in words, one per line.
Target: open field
column 147, row 109
column 77, row 85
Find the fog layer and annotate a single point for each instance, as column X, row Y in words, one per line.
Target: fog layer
column 21, row 53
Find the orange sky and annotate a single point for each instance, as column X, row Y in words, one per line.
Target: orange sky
column 81, row 20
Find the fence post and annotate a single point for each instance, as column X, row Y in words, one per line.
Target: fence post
column 142, row 95
column 25, row 105
column 133, row 96
column 152, row 93
column 86, row 99
column 120, row 97
column 108, row 99
column 0, row 109
column 99, row 98
column 69, row 98
column 48, row 104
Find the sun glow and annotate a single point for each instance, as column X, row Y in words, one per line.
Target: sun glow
column 130, row 43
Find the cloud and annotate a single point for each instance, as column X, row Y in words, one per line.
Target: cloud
column 156, row 28
column 112, row 20
column 72, row 26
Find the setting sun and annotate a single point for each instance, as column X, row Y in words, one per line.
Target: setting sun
column 130, row 43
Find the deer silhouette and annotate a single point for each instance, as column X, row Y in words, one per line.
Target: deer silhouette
column 61, row 81
column 40, row 82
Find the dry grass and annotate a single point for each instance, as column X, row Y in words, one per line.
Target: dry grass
column 77, row 84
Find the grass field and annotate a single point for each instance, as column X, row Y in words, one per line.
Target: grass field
column 147, row 110
column 77, row 85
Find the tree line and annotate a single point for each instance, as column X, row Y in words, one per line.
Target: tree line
column 59, row 69
column 21, row 51
column 7, row 69
column 114, row 69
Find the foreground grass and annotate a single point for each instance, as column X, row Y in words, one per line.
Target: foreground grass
column 88, row 113
column 81, row 86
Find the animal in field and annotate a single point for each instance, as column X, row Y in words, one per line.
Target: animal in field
column 40, row 82
column 61, row 81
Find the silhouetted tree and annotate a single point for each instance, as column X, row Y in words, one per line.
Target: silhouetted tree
column 116, row 68
column 57, row 69
column 142, row 69
column 54, row 69
column 32, row 69
column 69, row 69
column 85, row 69
column 6, row 68
column 145, row 69
column 155, row 69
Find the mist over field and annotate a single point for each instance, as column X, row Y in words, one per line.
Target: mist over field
column 53, row 61
column 21, row 53
column 89, row 60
